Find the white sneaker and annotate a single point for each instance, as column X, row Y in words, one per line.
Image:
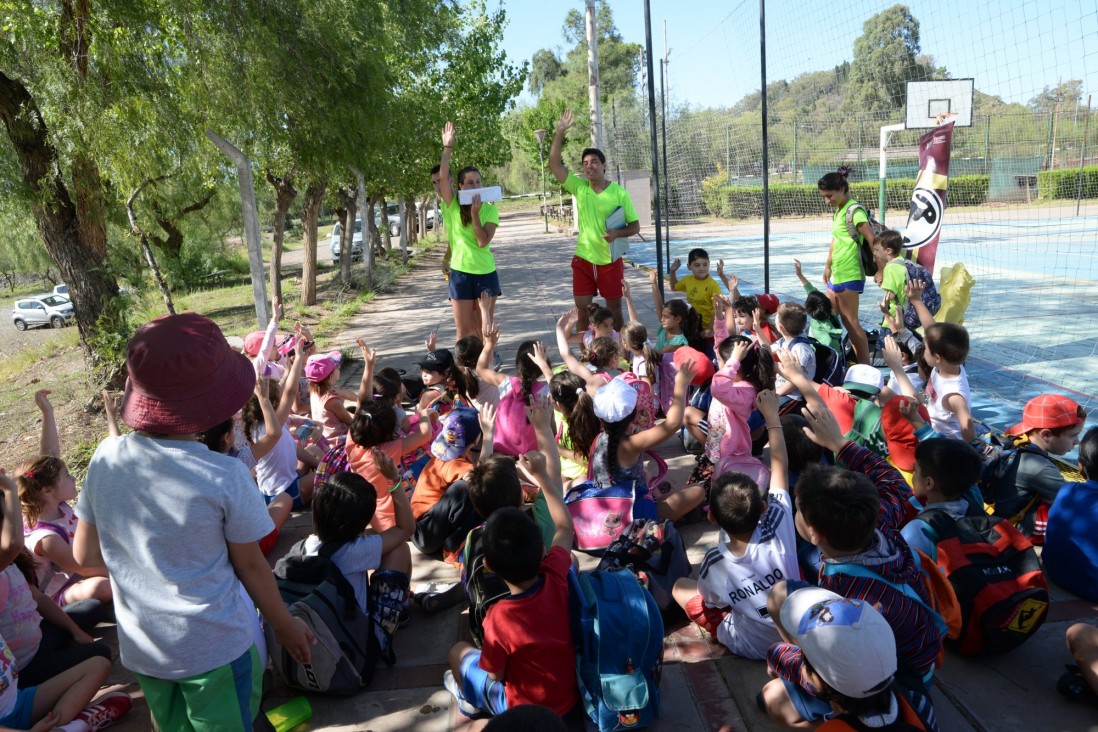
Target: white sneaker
column 451, row 685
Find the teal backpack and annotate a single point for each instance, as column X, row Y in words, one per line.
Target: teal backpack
column 618, row 632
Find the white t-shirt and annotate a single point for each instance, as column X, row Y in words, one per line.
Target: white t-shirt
column 743, row 583
column 9, row 689
column 354, row 559
column 806, row 357
column 942, row 420
column 165, row 511
column 276, row 470
column 51, row 578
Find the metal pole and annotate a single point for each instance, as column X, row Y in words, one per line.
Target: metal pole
column 882, row 200
column 765, row 151
column 987, row 145
column 665, row 83
column 655, row 146
column 794, row 152
column 1082, row 158
column 593, row 76
column 728, row 154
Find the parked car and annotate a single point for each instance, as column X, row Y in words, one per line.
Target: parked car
column 61, row 289
column 393, row 219
column 47, row 309
column 356, row 241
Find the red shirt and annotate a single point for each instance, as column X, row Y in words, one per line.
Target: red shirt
column 528, row 640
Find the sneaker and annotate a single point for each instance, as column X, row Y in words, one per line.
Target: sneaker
column 441, row 599
column 451, row 685
column 106, row 710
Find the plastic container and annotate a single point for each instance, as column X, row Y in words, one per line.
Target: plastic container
column 290, row 714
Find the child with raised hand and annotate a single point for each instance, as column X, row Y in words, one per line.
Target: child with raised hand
column 757, row 547
column 700, row 287
column 514, row 435
column 578, row 425
column 854, row 516
column 528, row 656
column 49, row 523
column 618, row 454
column 175, row 592
column 606, row 354
column 823, row 325
column 601, row 326
column 747, row 369
column 634, row 339
column 446, row 385
column 679, row 324
column 326, row 401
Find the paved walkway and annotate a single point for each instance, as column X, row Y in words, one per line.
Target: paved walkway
column 703, row 685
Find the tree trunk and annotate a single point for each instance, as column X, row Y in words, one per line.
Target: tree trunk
column 310, row 214
column 367, row 215
column 285, row 193
column 172, row 245
column 72, row 225
column 375, row 235
column 348, row 198
column 140, row 234
column 386, row 239
column 412, row 219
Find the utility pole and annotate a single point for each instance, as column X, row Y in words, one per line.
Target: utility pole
column 593, row 77
column 665, row 83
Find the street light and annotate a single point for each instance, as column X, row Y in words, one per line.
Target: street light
column 540, row 134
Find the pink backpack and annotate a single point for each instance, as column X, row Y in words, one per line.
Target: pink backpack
column 514, row 434
column 646, row 403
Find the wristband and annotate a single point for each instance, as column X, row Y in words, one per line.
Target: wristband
column 445, row 157
column 395, row 486
column 773, row 427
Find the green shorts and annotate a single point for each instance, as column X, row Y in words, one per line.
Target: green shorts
column 225, row 699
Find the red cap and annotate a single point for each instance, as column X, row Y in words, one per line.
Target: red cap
column 252, row 342
column 1047, row 412
column 768, row 302
column 703, row 367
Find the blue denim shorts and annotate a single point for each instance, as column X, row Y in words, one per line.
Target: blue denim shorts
column 465, row 286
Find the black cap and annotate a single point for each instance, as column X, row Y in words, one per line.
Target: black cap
column 440, row 360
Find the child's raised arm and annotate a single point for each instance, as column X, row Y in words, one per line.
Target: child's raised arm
column 405, row 521
column 913, row 291
column 787, row 366
column 767, row 402
column 563, row 325
column 366, row 386
column 48, row 442
column 657, row 298
column 540, row 357
column 653, row 436
column 808, row 286
column 895, row 363
column 487, row 418
column 272, row 431
column 630, row 307
column 484, row 364
column 11, row 523
column 544, row 465
column 110, row 408
column 672, row 278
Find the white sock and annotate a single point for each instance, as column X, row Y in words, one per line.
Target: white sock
column 76, row 725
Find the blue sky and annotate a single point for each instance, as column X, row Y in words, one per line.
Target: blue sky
column 1013, row 48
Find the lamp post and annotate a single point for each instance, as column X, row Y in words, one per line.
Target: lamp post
column 540, row 134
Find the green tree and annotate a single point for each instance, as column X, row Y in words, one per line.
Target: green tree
column 1065, row 96
column 885, row 60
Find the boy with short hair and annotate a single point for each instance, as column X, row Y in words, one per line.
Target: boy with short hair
column 700, row 287
column 823, row 324
column 847, row 651
column 854, row 517
column 947, row 389
column 177, row 526
column 792, row 320
column 1051, row 425
column 528, row 656
column 757, row 547
column 945, row 473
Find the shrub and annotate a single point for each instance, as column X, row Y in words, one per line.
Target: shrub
column 1062, row 183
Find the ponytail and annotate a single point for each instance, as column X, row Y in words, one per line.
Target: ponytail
column 570, row 392
column 465, row 383
column 635, row 336
column 603, row 353
column 615, row 432
column 32, row 479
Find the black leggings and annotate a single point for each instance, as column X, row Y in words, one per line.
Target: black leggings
column 56, row 653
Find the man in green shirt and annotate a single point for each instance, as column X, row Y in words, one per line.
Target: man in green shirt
column 594, row 271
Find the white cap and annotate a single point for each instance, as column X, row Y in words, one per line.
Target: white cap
column 848, row 642
column 864, row 377
column 615, row 400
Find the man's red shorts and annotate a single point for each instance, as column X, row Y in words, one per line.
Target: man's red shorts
column 589, row 279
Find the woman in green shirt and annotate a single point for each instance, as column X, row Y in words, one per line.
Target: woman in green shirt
column 470, row 228
column 843, row 272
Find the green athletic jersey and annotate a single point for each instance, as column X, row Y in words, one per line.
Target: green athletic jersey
column 594, row 209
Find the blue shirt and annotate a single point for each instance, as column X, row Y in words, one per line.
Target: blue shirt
column 1070, row 555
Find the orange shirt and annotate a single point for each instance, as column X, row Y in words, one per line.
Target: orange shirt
column 436, row 477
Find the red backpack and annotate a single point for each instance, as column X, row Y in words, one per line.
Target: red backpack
column 997, row 576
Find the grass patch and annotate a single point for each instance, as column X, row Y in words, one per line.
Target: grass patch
column 15, row 365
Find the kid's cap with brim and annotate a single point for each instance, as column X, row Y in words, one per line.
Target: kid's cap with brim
column 183, row 377
column 1047, row 412
column 320, row 366
column 850, row 644
column 863, row 377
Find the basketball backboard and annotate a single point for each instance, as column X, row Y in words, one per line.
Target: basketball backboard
column 926, row 100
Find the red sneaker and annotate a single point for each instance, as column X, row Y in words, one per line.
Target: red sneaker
column 106, row 710
column 267, row 543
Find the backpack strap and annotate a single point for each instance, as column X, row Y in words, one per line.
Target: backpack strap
column 850, row 227
column 53, row 528
column 860, row 570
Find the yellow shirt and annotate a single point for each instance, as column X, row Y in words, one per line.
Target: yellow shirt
column 699, row 293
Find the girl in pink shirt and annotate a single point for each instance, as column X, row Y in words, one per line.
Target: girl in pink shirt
column 749, row 369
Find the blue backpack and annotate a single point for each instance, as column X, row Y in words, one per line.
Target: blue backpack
column 830, row 368
column 618, row 633
column 931, row 298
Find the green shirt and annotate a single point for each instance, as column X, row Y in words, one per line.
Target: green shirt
column 846, row 265
column 594, row 209
column 827, row 332
column 467, row 255
column 893, row 280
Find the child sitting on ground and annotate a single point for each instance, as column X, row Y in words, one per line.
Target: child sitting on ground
column 747, row 369
column 700, row 287
column 601, row 326
column 1071, row 541
column 377, row 565
column 440, row 503
column 945, row 473
column 514, row 434
column 1050, row 425
column 854, row 516
column 446, row 385
column 823, row 324
column 792, row 320
column 757, row 547
column 578, row 424
column 49, row 523
column 680, row 325
column 846, row 651
column 178, row 590
column 602, row 357
column 528, row 656
column 895, row 276
column 326, row 402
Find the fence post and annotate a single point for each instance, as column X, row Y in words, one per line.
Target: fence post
column 794, row 152
column 1082, row 159
column 987, row 145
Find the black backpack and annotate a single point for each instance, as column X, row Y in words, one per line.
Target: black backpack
column 995, row 481
column 483, row 588
column 830, row 368
column 865, row 254
column 347, row 645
